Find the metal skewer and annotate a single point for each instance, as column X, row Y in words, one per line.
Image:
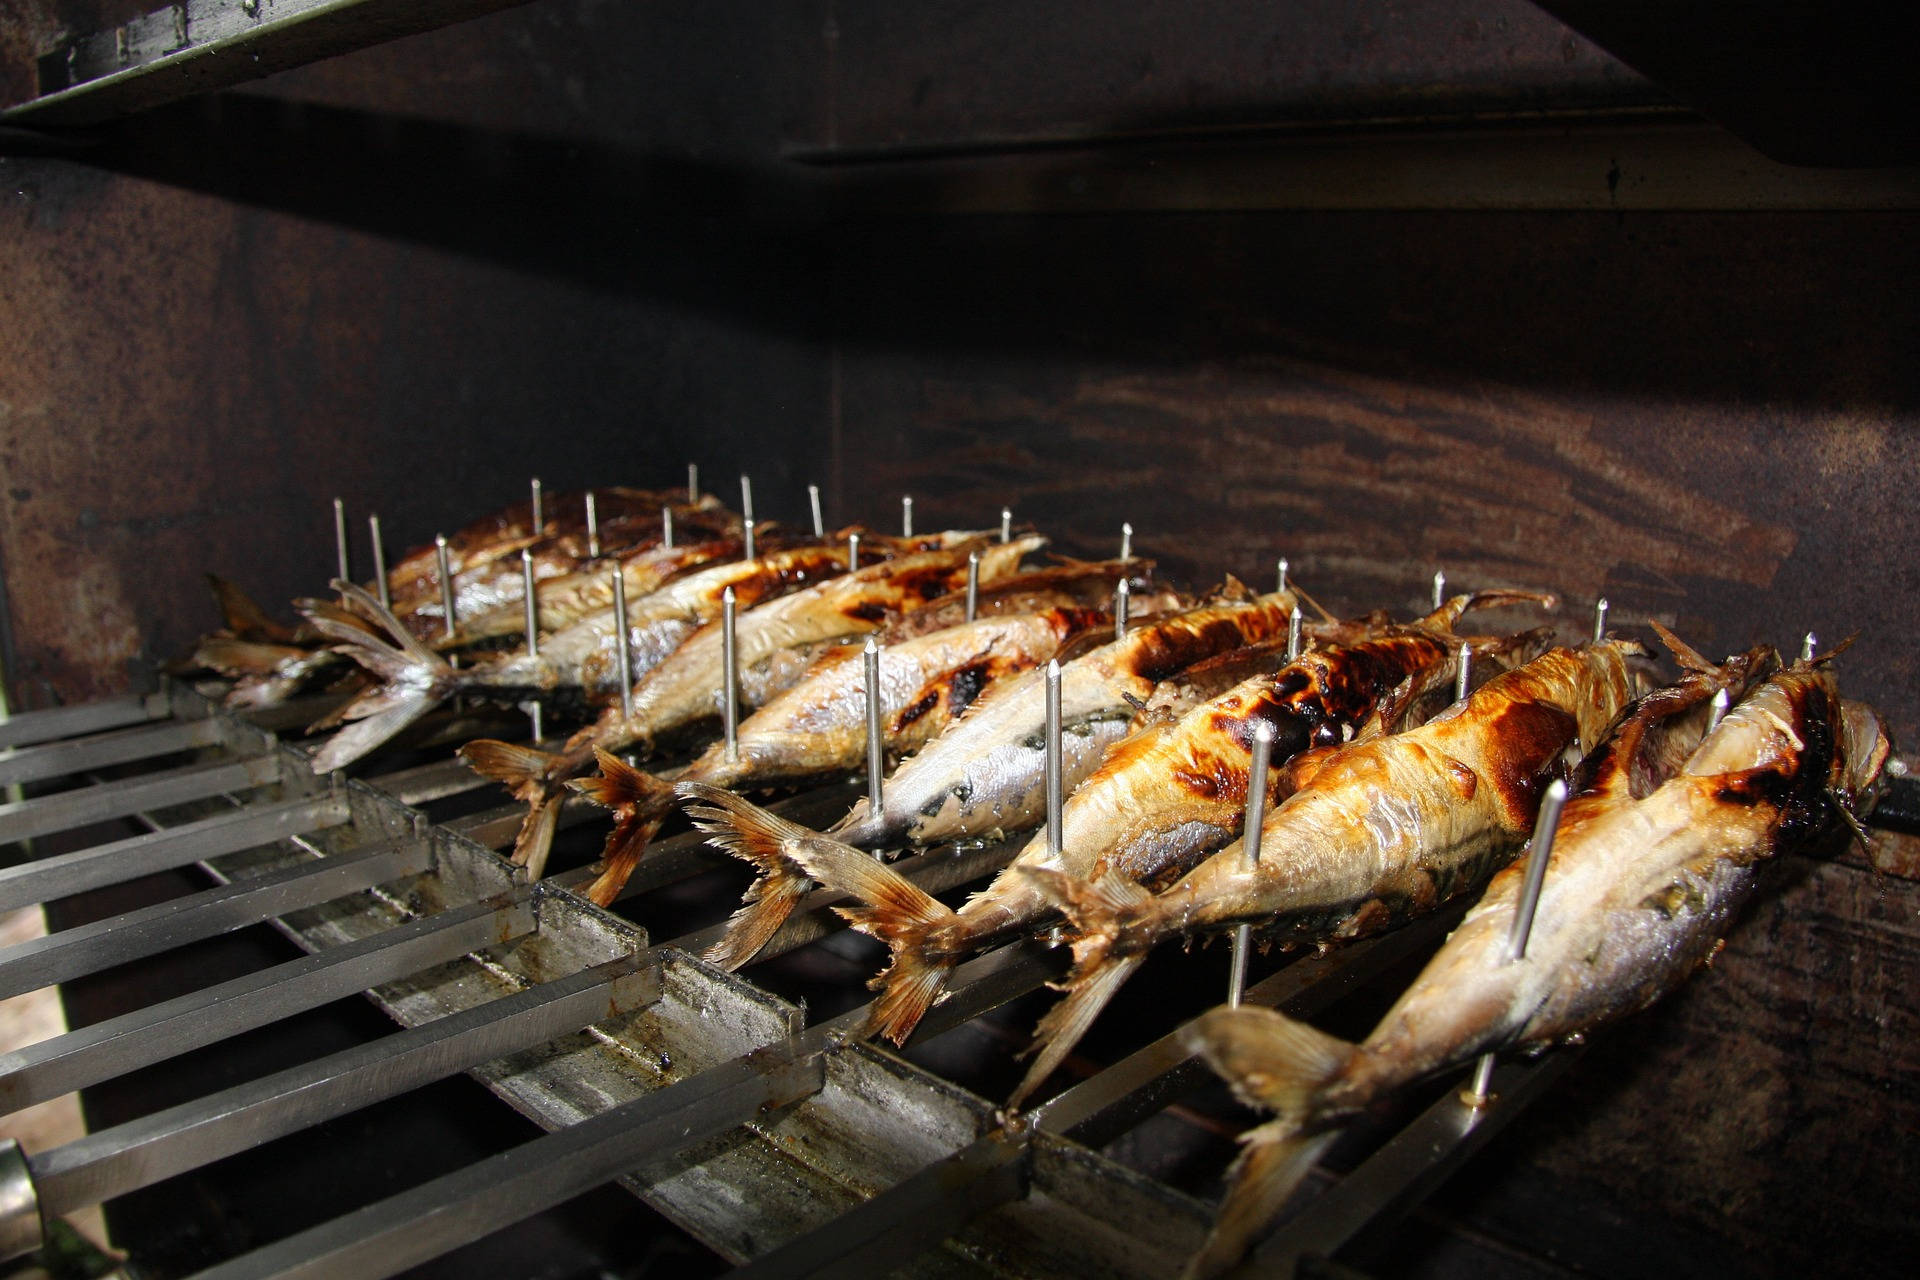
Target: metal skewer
column 906, row 516
column 1464, row 677
column 746, row 515
column 539, row 509
column 1807, row 646
column 1293, row 635
column 853, row 552
column 1600, row 607
column 1056, row 764
column 876, row 756
column 666, row 527
column 1257, row 766
column 1539, row 849
column 593, row 526
column 1126, row 541
column 623, row 648
column 1280, row 577
column 530, row 592
column 813, row 500
column 729, row 676
column 973, row 585
column 1718, row 711
column 379, row 563
column 1122, row 595
column 1006, row 524
column 693, row 484
column 446, row 582
column 340, row 539
column 1439, row 587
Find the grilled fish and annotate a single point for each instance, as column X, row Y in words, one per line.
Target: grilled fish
column 820, row 726
column 1003, row 767
column 1385, row 829
column 687, row 685
column 1651, row 861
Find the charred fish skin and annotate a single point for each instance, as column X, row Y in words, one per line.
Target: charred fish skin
column 984, row 772
column 1652, row 861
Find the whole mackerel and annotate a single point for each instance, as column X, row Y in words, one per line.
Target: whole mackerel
column 1651, row 862
column 1386, row 829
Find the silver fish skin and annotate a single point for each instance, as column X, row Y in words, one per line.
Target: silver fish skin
column 1650, row 865
column 985, row 772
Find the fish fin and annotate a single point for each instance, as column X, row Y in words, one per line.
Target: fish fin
column 1313, row 604
column 897, row 911
column 640, row 802
column 1060, row 1030
column 1095, row 907
column 377, row 715
column 1231, row 591
column 237, row 658
column 1271, row 1060
column 1683, row 653
column 243, row 615
column 532, row 776
column 764, row 839
column 1448, row 615
column 1273, row 1162
column 1822, row 659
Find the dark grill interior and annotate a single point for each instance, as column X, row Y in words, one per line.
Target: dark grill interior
column 1378, row 291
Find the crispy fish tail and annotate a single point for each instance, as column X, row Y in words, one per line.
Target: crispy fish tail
column 530, row 774
column 413, row 679
column 1100, row 910
column 1283, row 1066
column 640, row 803
column 764, row 839
column 899, row 913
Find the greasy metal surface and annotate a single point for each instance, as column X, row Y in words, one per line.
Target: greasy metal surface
column 20, row 1226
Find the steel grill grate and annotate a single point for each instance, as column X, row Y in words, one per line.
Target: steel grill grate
column 635, row 1056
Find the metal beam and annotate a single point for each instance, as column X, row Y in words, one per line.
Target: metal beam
column 76, row 755
column 83, row 806
column 30, row 727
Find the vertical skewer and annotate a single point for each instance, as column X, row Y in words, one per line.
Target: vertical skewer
column 853, row 552
column 906, row 516
column 1600, row 608
column 1463, row 678
column 1807, row 646
column 532, row 602
column 446, row 582
column 1006, row 524
column 539, row 508
column 693, row 484
column 1257, row 767
column 973, row 585
column 1293, row 635
column 593, row 526
column 340, row 540
column 1718, row 711
column 1539, row 849
column 623, row 652
column 379, row 563
column 1439, row 587
column 746, row 515
column 729, row 676
column 1122, row 597
column 813, row 500
column 1056, row 764
column 666, row 527
column 876, row 757
column 1126, row 541
column 1280, row 576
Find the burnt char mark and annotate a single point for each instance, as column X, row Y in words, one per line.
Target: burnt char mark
column 915, row 710
column 1796, row 787
column 867, row 611
column 1163, row 651
column 965, row 685
column 1526, row 739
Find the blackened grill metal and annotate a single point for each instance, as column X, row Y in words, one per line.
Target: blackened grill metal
column 635, row 1057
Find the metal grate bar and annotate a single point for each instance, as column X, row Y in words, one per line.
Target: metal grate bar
column 59, row 759
column 137, row 1154
column 1407, row 1169
column 25, row 819
column 908, row 1218
column 121, row 860
column 146, row 1036
column 27, row 966
column 415, row 1226
column 31, row 727
column 426, row 783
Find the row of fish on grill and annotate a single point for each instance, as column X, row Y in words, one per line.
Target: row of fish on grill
column 1393, row 784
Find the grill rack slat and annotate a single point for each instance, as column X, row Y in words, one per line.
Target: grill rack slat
column 438, row 940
